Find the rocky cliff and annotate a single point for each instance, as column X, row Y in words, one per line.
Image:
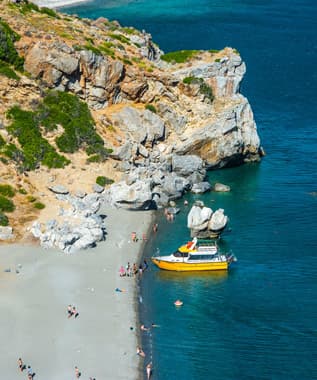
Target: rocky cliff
column 165, row 119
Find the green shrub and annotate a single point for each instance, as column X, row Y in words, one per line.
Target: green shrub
column 35, row 149
column 129, row 30
column 180, row 56
column 39, row 205
column 151, row 108
column 212, row 51
column 2, row 141
column 22, row 191
column 204, row 89
column 49, row 12
column 7, row 190
column 6, row 205
column 74, row 115
column 236, row 51
column 217, row 60
column 120, row 37
column 6, row 70
column 126, row 61
column 4, row 221
column 93, row 49
column 103, row 181
column 106, row 49
column 95, row 158
column 8, row 52
column 190, row 80
column 31, row 198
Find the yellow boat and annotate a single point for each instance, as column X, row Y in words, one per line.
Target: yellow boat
column 193, row 257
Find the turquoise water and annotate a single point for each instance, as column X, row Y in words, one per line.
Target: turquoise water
column 259, row 321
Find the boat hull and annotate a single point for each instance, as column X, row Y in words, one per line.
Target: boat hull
column 184, row 266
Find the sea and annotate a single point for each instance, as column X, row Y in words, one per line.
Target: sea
column 259, row 320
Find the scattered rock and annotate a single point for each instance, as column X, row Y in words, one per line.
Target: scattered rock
column 221, row 187
column 6, row 233
column 97, row 188
column 201, row 187
column 59, row 189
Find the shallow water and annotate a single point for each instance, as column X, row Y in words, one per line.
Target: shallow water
column 259, row 321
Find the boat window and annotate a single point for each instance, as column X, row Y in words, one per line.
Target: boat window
column 201, row 257
column 180, row 254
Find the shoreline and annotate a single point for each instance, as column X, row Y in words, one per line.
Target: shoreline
column 34, row 301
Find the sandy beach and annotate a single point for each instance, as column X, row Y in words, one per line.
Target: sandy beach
column 33, row 307
column 58, row 3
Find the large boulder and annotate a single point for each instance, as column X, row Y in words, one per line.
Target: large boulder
column 141, row 126
column 186, row 165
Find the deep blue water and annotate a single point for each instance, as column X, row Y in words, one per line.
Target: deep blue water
column 259, row 321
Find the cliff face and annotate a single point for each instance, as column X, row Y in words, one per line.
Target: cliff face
column 148, row 110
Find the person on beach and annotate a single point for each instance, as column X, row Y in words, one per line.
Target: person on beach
column 144, row 238
column 155, row 227
column 122, row 271
column 75, row 312
column 149, row 371
column 134, row 237
column 77, row 373
column 140, row 352
column 30, row 372
column 145, row 265
column 69, row 311
column 134, row 269
column 143, row 328
column 140, row 270
column 128, row 268
column 21, row 365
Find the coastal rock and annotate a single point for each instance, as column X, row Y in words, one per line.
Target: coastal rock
column 199, row 188
column 204, row 223
column 221, row 187
column 186, row 165
column 59, row 189
column 218, row 220
column 97, row 188
column 6, row 233
column 81, row 229
column 142, row 126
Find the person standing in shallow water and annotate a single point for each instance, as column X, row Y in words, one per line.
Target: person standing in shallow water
column 148, row 371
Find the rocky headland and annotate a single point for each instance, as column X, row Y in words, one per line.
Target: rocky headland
column 85, row 101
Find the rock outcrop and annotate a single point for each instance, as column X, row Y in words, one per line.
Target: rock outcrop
column 81, row 227
column 204, row 223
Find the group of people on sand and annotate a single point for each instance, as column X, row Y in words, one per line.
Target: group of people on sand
column 134, row 270
column 135, row 239
column 23, row 367
column 72, row 311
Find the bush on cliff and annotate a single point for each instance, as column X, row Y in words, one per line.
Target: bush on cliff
column 103, row 181
column 8, row 52
column 7, row 190
column 6, row 70
column 74, row 115
column 6, row 205
column 4, row 221
column 180, row 56
column 204, row 88
column 35, row 149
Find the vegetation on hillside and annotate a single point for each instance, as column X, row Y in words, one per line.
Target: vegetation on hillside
column 8, row 52
column 57, row 109
column 204, row 88
column 180, row 56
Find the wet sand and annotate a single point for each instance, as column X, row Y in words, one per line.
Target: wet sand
column 33, row 303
